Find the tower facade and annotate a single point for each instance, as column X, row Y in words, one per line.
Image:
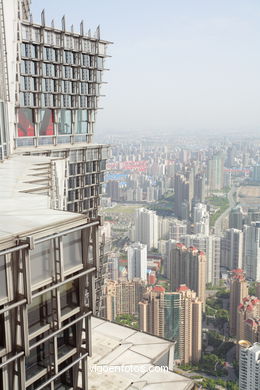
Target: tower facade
column 252, row 250
column 49, row 248
column 188, row 266
column 146, row 227
column 238, row 291
column 137, row 261
column 249, row 366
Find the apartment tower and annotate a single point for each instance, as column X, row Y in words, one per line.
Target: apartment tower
column 238, row 291
column 188, row 266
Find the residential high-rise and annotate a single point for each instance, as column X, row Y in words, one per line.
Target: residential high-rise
column 232, row 249
column 252, row 251
column 175, row 316
column 146, row 227
column 190, row 327
column 252, row 330
column 256, row 174
column 249, row 366
column 188, row 266
column 183, row 195
column 112, row 266
column 199, row 188
column 177, row 229
column 170, row 245
column 249, row 308
column 236, row 218
column 122, row 297
column 238, row 291
column 137, row 261
column 216, row 172
column 200, row 219
column 112, row 190
column 151, row 311
column 211, row 246
column 49, row 200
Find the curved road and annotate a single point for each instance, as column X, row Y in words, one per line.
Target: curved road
column 232, row 203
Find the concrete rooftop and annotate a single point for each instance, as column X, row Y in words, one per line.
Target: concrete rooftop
column 22, row 212
column 124, row 358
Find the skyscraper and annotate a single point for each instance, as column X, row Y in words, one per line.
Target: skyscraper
column 210, row 245
column 232, row 249
column 175, row 316
column 249, row 366
column 199, row 188
column 188, row 266
column 236, row 218
column 216, row 172
column 137, row 261
column 122, row 297
column 183, row 195
column 200, row 219
column 238, row 291
column 49, row 200
column 146, row 227
column 248, row 309
column 252, row 251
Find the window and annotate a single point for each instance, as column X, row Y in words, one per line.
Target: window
column 84, row 88
column 69, row 297
column 57, row 39
column 75, row 73
column 72, row 250
column 102, row 48
column 85, row 59
column 41, row 261
column 29, row 67
column 67, row 72
column 39, row 312
column 84, row 74
column 66, row 86
column 48, row 70
column 2, row 333
column 48, row 54
column 83, row 101
column 100, row 62
column 64, row 122
column 66, row 340
column 36, row 35
column 86, row 45
column 82, row 122
column 92, row 61
column 38, row 360
column 46, row 122
column 48, row 37
column 66, row 101
column 26, row 125
column 47, row 85
column 3, row 283
column 68, row 57
column 26, row 32
column 47, row 100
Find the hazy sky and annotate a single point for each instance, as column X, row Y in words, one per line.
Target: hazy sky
column 176, row 64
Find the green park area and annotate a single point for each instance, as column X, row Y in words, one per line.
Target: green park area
column 128, row 320
column 128, row 209
column 220, row 203
column 164, row 206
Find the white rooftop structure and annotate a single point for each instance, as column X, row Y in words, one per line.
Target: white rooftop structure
column 24, row 197
column 124, row 358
